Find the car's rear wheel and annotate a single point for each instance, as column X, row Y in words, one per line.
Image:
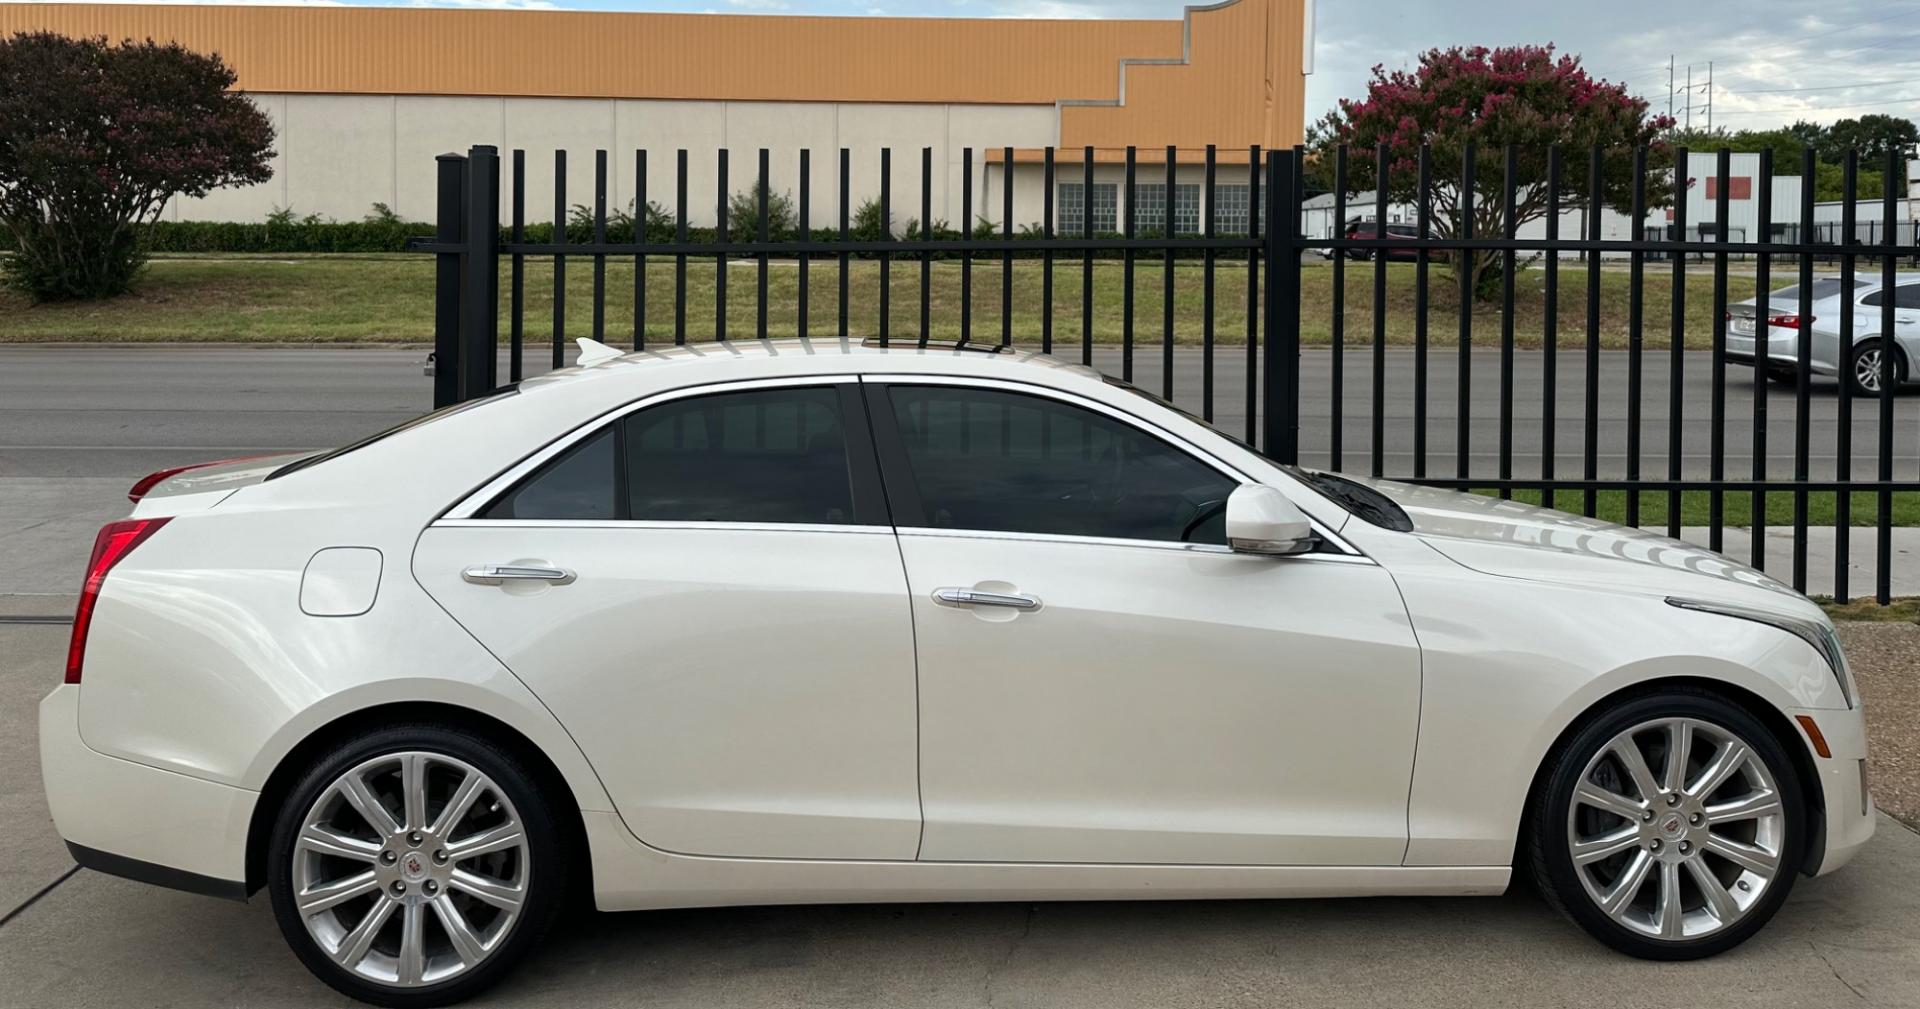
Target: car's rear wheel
column 414, row 865
column 1865, row 371
column 1669, row 827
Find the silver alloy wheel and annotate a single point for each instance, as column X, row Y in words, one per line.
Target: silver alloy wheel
column 1676, row 828
column 1866, row 369
column 411, row 869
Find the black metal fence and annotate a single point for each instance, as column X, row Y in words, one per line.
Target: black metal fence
column 1247, row 372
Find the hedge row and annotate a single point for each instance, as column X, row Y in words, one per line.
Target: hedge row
column 212, row 237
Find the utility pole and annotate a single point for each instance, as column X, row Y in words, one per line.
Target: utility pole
column 1689, row 98
column 1670, row 91
column 1709, row 96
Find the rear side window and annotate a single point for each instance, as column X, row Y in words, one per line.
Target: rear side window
column 766, row 455
column 580, row 484
column 1904, row 296
column 769, row 455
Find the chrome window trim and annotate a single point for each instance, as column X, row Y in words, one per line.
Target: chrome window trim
column 1111, row 541
column 677, row 525
column 1139, row 423
column 479, row 499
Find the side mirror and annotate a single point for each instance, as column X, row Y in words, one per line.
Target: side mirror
column 1261, row 520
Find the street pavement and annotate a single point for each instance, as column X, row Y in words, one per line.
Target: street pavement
column 78, row 424
column 89, row 940
column 126, row 410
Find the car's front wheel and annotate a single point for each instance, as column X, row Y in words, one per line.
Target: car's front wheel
column 414, row 864
column 1668, row 827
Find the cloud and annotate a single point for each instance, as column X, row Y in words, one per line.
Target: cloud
column 759, row 5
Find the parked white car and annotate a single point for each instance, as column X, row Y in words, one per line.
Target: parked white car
column 816, row 622
column 1828, row 305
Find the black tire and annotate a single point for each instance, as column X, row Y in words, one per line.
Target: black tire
column 1860, row 388
column 1550, row 863
column 547, row 881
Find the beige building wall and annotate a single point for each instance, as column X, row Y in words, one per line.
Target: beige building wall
column 338, row 155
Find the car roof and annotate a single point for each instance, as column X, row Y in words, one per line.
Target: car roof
column 718, row 360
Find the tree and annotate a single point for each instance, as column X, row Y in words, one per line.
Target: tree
column 1874, row 136
column 1525, row 97
column 1789, row 145
column 96, row 138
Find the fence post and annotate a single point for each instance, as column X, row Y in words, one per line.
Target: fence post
column 450, row 214
column 1280, row 313
column 480, row 301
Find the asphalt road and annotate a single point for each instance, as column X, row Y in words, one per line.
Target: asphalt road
column 78, row 424
column 125, row 411
column 90, row 940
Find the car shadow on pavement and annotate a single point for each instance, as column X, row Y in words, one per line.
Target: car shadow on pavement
column 97, row 940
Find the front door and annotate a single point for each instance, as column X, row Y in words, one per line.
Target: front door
column 707, row 594
column 1102, row 680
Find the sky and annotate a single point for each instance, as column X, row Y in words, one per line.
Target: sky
column 1772, row 61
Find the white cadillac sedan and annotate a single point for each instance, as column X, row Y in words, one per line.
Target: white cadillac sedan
column 818, row 622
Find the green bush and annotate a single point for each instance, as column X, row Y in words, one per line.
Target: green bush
column 383, row 231
column 743, row 216
column 282, row 232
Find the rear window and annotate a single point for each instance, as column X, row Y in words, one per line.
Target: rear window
column 1821, row 289
column 493, row 396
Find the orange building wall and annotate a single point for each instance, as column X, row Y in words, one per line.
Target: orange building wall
column 1243, row 85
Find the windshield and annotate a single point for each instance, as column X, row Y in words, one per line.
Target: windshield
column 492, row 396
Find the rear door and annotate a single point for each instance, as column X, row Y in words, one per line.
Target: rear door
column 707, row 593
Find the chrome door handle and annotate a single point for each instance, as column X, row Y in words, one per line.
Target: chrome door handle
column 500, row 574
column 974, row 597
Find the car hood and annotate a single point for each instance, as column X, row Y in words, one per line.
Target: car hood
column 1515, row 540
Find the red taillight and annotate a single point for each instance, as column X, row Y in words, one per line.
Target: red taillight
column 1791, row 321
column 115, row 540
column 148, row 482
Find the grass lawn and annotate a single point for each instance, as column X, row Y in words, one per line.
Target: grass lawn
column 318, row 299
column 1905, row 611
column 1696, row 507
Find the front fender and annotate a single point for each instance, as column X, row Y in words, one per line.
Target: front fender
column 1510, row 665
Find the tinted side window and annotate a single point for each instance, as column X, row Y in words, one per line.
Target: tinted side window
column 991, row 460
column 579, row 484
column 767, row 455
column 1904, row 296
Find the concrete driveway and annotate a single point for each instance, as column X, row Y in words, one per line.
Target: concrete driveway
column 84, row 939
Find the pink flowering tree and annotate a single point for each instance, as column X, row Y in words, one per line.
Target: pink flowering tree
column 1526, row 97
column 95, row 139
